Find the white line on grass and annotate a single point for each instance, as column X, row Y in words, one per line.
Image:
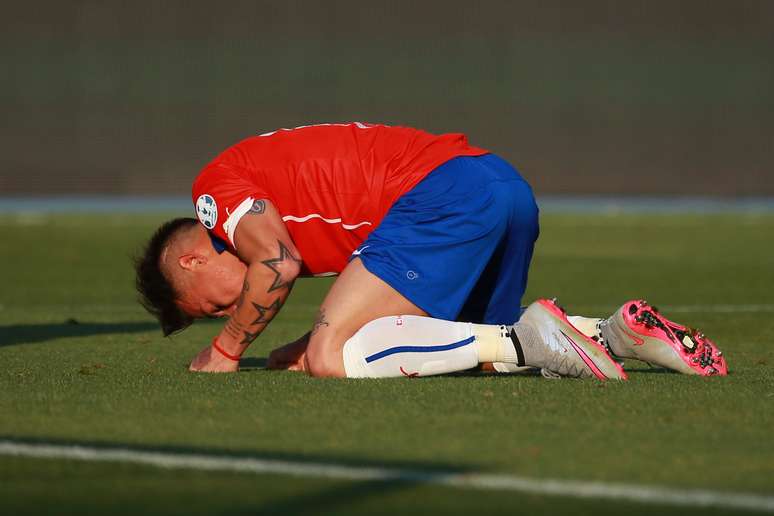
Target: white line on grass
column 471, row 480
column 697, row 309
column 719, row 309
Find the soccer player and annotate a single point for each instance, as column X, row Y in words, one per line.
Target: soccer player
column 431, row 239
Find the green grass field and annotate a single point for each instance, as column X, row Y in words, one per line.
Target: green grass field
column 81, row 363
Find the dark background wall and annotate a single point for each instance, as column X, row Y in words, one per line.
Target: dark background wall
column 610, row 97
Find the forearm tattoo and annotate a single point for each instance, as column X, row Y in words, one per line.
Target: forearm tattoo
column 319, row 321
column 249, row 332
column 276, row 265
column 245, row 289
column 266, row 313
column 248, row 337
column 234, row 327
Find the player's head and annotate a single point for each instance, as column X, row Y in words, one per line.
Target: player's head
column 181, row 276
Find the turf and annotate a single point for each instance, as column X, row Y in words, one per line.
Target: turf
column 82, row 363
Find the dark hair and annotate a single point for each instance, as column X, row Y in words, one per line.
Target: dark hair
column 157, row 294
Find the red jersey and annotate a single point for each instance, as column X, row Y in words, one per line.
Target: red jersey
column 331, row 183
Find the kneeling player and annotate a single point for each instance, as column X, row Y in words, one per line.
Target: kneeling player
column 424, row 231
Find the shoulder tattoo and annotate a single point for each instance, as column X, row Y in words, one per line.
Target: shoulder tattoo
column 258, row 207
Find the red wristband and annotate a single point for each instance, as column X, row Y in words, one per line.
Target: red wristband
column 223, row 352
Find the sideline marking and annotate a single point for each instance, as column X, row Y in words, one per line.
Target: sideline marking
column 482, row 481
column 720, row 309
column 697, row 309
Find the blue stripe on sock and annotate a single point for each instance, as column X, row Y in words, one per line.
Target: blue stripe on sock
column 418, row 349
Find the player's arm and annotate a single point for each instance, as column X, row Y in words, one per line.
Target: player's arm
column 263, row 243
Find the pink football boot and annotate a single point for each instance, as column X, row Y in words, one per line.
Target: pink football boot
column 637, row 330
column 568, row 351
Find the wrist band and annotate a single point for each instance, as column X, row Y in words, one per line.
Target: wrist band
column 223, row 352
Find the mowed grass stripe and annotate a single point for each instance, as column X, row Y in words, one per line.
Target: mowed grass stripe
column 694, row 498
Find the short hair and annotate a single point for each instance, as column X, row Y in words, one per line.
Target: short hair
column 157, row 294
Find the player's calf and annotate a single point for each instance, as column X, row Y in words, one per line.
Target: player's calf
column 410, row 346
column 421, row 346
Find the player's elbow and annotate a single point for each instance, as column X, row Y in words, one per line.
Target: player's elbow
column 288, row 270
column 294, row 269
column 282, row 272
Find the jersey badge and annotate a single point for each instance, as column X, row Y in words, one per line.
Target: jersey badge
column 207, row 210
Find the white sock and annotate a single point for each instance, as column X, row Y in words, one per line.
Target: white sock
column 587, row 325
column 421, row 346
column 494, row 344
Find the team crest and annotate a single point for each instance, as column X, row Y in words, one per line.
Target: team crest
column 207, row 210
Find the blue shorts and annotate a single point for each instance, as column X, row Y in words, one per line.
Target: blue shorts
column 458, row 245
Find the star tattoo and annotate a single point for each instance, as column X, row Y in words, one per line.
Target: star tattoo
column 249, row 337
column 275, row 263
column 264, row 312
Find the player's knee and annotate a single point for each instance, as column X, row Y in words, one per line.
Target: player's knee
column 324, row 357
column 321, row 365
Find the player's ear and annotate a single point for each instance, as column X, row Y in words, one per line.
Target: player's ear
column 191, row 261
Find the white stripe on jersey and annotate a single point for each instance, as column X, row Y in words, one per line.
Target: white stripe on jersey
column 305, row 218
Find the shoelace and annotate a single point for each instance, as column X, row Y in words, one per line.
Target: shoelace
column 549, row 375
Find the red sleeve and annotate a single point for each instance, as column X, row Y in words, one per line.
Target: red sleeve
column 222, row 194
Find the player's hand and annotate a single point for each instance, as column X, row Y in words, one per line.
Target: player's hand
column 290, row 356
column 210, row 361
